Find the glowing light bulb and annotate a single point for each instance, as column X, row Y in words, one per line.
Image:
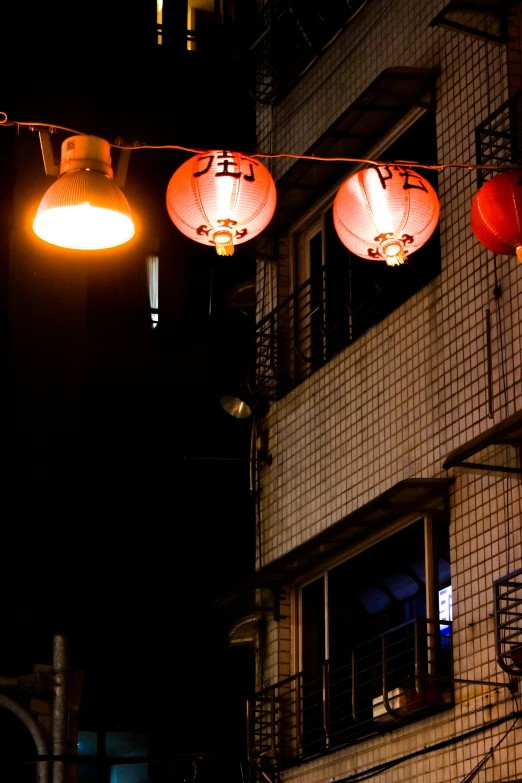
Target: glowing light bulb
column 84, row 209
column 83, row 227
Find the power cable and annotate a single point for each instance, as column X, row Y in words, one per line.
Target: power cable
column 357, row 777
column 41, row 126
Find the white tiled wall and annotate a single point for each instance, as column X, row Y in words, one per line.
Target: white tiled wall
column 395, row 403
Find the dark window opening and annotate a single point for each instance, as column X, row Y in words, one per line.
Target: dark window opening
column 291, row 35
column 339, row 296
column 365, row 631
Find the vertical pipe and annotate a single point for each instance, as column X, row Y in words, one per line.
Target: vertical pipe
column 59, row 725
column 490, row 363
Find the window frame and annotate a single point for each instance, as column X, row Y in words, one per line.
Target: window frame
column 315, row 320
column 316, row 214
column 431, row 584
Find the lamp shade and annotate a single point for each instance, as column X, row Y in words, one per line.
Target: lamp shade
column 385, row 213
column 496, row 214
column 236, row 406
column 221, row 199
column 84, row 209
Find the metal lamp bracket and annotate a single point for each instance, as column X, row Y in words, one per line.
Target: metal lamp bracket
column 52, row 165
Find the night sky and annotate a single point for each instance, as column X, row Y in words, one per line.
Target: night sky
column 122, row 530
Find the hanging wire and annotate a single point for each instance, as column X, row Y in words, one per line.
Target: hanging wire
column 4, row 120
column 476, row 769
column 39, row 126
column 379, row 769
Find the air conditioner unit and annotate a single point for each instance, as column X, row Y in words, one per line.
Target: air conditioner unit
column 398, row 699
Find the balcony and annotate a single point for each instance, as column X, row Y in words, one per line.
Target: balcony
column 323, row 316
column 499, row 138
column 401, row 676
column 291, row 35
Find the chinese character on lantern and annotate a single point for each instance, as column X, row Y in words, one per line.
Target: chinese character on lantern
column 385, row 213
column 221, row 198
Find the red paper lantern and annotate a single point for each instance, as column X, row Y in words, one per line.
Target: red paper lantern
column 385, row 213
column 496, row 214
column 221, row 198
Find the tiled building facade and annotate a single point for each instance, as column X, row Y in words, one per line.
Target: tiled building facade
column 355, row 486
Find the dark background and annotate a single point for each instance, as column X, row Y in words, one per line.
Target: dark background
column 126, row 506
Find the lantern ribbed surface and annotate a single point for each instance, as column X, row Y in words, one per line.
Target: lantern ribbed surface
column 496, row 213
column 221, row 199
column 84, row 210
column 385, row 213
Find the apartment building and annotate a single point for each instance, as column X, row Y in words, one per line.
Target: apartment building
column 389, row 563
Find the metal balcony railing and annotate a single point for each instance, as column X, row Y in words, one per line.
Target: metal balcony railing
column 291, row 34
column 325, row 315
column 508, row 622
column 499, row 138
column 299, row 336
column 399, row 676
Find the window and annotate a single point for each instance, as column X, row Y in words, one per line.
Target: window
column 346, row 295
column 337, row 296
column 291, row 35
column 365, row 641
column 107, row 747
column 372, row 629
column 197, row 13
column 202, row 21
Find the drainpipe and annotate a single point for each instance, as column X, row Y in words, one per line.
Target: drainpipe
column 34, row 730
column 59, row 730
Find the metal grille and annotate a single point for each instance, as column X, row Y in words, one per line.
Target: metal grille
column 499, row 138
column 326, row 314
column 508, row 622
column 399, row 676
column 291, row 34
